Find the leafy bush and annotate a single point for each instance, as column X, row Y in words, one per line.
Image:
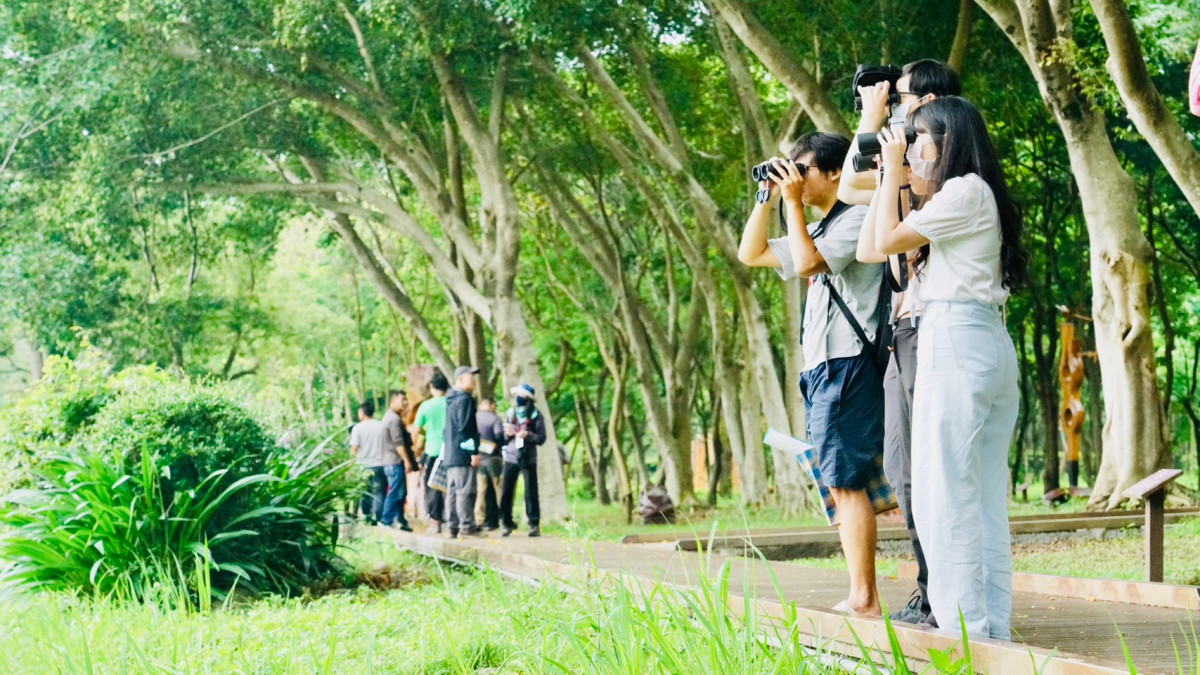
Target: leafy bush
column 63, row 402
column 162, row 484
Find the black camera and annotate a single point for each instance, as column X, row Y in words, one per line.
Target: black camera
column 869, row 76
column 772, row 170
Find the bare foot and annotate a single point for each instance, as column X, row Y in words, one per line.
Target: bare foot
column 861, row 610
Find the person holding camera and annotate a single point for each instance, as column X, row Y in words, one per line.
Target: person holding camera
column 841, row 381
column 891, row 100
column 966, row 397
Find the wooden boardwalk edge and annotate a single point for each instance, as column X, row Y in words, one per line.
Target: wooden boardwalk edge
column 1045, row 522
column 822, row 628
column 1108, row 590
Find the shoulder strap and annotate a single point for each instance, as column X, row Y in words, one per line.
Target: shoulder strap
column 897, row 285
column 854, row 324
column 837, row 298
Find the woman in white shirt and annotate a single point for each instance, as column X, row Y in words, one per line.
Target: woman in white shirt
column 965, row 403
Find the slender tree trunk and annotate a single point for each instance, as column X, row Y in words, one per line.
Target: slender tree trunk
column 1018, row 463
column 615, row 417
column 791, row 485
column 752, row 465
column 1045, row 340
column 962, row 36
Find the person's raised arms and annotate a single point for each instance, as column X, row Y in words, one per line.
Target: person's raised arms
column 892, row 236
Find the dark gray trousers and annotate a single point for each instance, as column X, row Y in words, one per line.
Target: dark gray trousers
column 460, row 498
column 898, row 384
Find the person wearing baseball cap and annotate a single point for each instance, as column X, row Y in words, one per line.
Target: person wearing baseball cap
column 524, row 431
column 460, row 454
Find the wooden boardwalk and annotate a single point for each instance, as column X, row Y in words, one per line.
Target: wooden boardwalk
column 1069, row 635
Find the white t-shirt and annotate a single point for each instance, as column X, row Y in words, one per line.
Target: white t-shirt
column 963, row 228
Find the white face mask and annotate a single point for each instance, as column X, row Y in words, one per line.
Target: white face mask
column 899, row 114
column 922, row 168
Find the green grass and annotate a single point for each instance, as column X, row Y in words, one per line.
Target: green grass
column 589, row 519
column 436, row 619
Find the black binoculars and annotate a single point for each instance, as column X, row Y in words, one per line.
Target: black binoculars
column 868, row 148
column 772, row 170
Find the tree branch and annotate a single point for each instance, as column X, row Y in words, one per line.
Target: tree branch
column 362, row 47
column 1145, row 105
column 801, row 83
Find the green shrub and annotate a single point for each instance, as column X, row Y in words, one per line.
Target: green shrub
column 95, row 528
column 189, row 430
column 62, row 403
column 161, row 484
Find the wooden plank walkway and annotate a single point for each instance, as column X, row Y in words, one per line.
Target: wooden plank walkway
column 1070, row 635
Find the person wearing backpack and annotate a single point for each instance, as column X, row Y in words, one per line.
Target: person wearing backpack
column 844, row 355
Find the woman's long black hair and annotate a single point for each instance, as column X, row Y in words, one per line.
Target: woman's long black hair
column 964, row 147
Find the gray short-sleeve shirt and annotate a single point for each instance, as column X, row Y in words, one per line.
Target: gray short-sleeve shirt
column 371, row 437
column 827, row 334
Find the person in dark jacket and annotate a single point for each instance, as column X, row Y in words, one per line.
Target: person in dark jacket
column 460, row 455
column 491, row 466
column 524, row 431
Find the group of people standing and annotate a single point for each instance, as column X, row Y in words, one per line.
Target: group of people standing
column 928, row 245
column 468, row 456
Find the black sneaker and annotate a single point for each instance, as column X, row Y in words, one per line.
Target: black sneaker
column 506, row 531
column 534, row 531
column 454, row 533
column 403, row 527
column 913, row 612
column 470, row 532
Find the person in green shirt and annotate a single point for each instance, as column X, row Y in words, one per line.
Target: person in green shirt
column 431, row 423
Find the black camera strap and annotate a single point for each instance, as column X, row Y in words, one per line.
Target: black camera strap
column 897, row 285
column 879, row 348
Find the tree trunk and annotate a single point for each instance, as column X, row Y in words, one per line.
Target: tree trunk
column 752, row 465
column 1134, row 444
column 595, row 463
column 639, row 447
column 962, row 36
column 1045, row 380
column 791, row 485
column 1092, row 447
column 615, row 417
